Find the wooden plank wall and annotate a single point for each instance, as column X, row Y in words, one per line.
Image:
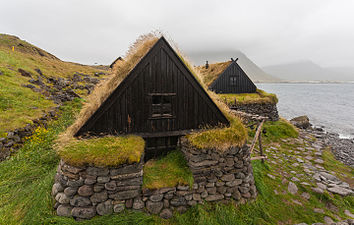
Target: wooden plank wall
column 243, row 85
column 128, row 109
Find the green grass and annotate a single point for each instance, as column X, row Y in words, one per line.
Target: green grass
column 220, row 138
column 27, row 177
column 260, row 97
column 20, row 105
column 103, row 151
column 275, row 131
column 168, row 171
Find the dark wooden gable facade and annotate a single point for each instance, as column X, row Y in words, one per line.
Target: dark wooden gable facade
column 159, row 98
column 233, row 80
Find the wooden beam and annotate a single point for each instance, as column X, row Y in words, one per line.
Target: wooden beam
column 259, row 128
column 262, row 157
column 260, row 146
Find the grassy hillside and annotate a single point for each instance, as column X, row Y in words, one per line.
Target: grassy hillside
column 18, row 104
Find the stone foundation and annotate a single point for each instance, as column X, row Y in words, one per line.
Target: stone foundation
column 85, row 192
column 89, row 191
column 265, row 110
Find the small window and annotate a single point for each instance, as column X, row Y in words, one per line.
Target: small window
column 161, row 106
column 233, row 81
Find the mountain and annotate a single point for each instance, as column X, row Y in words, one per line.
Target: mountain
column 305, row 71
column 252, row 70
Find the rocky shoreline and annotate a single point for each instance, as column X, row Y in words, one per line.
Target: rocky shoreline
column 343, row 149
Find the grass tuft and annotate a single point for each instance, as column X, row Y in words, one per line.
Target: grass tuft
column 278, row 130
column 103, row 151
column 168, row 171
column 220, row 138
column 260, row 97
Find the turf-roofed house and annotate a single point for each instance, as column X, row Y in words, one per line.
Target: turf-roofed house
column 151, row 138
column 236, row 89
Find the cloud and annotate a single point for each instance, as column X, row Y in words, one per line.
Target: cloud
column 269, row 32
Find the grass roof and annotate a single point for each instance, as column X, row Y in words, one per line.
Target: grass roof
column 213, row 72
column 104, row 151
column 222, row 137
column 168, row 171
column 119, row 72
column 259, row 97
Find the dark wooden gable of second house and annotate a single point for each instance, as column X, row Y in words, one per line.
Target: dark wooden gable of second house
column 159, row 98
column 233, row 80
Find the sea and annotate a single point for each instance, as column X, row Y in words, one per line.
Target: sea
column 328, row 105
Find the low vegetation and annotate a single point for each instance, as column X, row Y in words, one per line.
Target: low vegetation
column 220, row 138
column 280, row 129
column 20, row 105
column 26, row 180
column 274, row 131
column 103, row 151
column 260, row 97
column 168, row 171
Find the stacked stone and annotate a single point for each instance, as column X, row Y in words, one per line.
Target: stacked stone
column 264, row 109
column 220, row 176
column 83, row 192
column 165, row 200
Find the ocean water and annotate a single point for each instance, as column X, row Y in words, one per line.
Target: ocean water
column 329, row 105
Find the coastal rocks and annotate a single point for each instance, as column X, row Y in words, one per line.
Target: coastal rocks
column 340, row 190
column 302, row 122
column 341, row 148
column 292, row 188
column 83, row 192
column 266, row 110
column 330, row 221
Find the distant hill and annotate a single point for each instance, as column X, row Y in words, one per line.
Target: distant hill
column 309, row 71
column 252, row 70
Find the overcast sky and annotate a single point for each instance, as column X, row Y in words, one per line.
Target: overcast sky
column 267, row 31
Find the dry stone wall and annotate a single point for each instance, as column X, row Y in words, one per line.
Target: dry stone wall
column 85, row 192
column 265, row 110
column 220, row 175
